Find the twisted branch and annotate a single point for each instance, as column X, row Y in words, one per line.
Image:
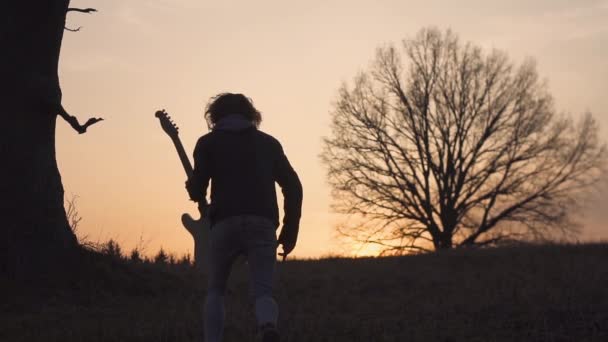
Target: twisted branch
column 82, row 10
column 73, row 121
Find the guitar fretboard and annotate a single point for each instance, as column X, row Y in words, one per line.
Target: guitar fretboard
column 183, row 157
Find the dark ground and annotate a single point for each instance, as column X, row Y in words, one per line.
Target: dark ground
column 526, row 293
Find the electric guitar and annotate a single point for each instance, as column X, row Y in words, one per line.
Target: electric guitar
column 198, row 228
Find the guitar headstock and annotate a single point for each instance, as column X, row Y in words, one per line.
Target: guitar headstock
column 167, row 124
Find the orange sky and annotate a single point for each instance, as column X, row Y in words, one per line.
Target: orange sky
column 136, row 56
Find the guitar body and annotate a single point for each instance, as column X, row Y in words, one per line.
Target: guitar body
column 199, row 229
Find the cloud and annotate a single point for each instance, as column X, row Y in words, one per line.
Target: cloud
column 581, row 21
column 171, row 5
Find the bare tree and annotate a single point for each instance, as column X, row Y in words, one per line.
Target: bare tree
column 454, row 147
column 34, row 226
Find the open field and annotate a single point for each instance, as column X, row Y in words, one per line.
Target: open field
column 526, row 293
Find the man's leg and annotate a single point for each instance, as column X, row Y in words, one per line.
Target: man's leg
column 223, row 249
column 214, row 316
column 261, row 254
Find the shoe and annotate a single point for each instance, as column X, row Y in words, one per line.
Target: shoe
column 269, row 333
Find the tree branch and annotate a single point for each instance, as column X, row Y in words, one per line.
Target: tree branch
column 82, row 10
column 73, row 30
column 73, row 121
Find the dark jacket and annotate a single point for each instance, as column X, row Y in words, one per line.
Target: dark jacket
column 243, row 165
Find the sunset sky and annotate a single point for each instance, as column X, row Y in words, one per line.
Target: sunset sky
column 136, row 56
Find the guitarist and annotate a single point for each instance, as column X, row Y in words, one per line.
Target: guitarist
column 243, row 165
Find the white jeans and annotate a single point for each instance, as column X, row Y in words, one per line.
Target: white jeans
column 254, row 237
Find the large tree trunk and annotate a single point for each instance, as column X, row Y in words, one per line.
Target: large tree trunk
column 443, row 241
column 35, row 234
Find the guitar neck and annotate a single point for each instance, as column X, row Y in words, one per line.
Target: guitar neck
column 183, row 157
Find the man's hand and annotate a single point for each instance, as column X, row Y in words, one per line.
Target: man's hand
column 287, row 238
column 287, row 248
column 194, row 191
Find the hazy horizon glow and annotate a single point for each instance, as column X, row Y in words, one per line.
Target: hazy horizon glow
column 134, row 57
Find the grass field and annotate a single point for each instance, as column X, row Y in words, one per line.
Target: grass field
column 526, row 293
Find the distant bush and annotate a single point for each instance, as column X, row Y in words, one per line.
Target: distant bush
column 135, row 256
column 185, row 260
column 112, row 248
column 161, row 257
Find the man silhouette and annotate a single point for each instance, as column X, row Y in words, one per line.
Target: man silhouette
column 243, row 165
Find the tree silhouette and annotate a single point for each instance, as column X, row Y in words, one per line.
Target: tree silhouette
column 452, row 147
column 161, row 257
column 112, row 248
column 35, row 230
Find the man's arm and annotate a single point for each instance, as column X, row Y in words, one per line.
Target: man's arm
column 291, row 187
column 199, row 181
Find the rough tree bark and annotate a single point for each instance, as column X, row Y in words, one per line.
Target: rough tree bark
column 34, row 229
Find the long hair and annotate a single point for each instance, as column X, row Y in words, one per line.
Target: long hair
column 228, row 103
